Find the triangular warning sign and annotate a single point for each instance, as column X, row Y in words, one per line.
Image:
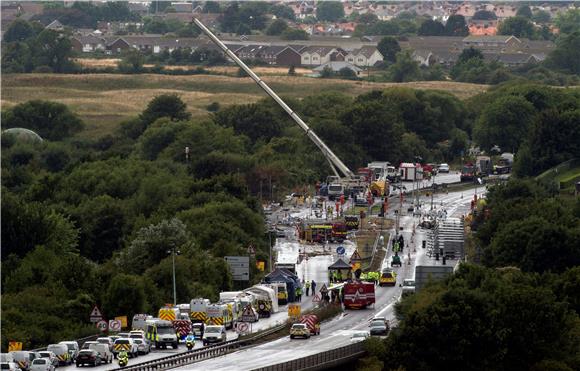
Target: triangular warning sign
column 96, row 312
column 323, row 288
column 247, row 311
column 355, row 256
column 316, row 298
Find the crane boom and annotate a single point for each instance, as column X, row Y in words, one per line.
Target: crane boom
column 334, row 161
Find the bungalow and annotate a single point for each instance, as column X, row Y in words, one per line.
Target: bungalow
column 491, row 42
column 55, row 26
column 88, row 43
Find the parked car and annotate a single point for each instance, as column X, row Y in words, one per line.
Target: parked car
column 379, row 327
column 50, row 356
column 444, row 168
column 41, row 364
column 88, row 357
column 61, row 352
column 9, row 366
column 128, row 344
column 104, row 352
column 73, row 348
column 137, row 334
column 143, row 346
column 214, row 334
column 299, row 330
column 359, row 336
column 106, row 340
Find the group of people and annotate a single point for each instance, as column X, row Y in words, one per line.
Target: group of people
column 310, row 285
column 336, row 276
column 398, row 243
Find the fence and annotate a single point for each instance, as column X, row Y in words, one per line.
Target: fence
column 320, row 361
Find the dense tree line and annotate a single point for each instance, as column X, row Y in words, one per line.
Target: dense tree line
column 90, row 221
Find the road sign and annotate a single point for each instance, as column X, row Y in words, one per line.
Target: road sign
column 242, row 327
column 96, row 314
column 239, row 266
column 114, row 325
column 248, row 314
column 14, row 346
column 316, row 298
column 355, row 257
column 102, row 325
column 123, row 320
column 323, row 289
column 294, row 310
column 340, row 250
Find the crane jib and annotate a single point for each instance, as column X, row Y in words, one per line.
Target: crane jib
column 333, row 160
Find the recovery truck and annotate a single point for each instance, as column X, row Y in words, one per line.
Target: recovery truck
column 198, row 310
column 467, row 172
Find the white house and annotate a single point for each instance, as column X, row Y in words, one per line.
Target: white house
column 367, row 56
column 316, row 55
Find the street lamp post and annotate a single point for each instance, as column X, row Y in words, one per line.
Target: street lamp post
column 174, row 252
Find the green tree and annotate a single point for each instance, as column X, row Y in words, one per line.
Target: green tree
column 389, row 47
column 125, row 295
column 132, row 62
column 294, row 34
column 505, row 123
column 368, row 18
column 53, row 50
column 569, row 21
column 211, row 7
column 405, row 68
column 567, row 53
column 283, row 11
column 277, row 27
column 165, row 105
column 158, row 6
column 19, row 30
column 292, row 71
column 255, row 121
column 431, row 28
column 517, row 26
column 17, row 58
column 329, row 11
column 456, row 26
column 541, row 16
column 468, row 54
column 524, row 11
column 53, row 121
column 484, row 15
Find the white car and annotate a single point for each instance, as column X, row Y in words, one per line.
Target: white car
column 104, row 352
column 444, row 168
column 41, row 364
column 9, row 366
column 107, row 341
column 87, row 344
column 359, row 336
column 214, row 334
column 50, row 356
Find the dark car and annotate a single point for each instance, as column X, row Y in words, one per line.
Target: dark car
column 88, row 357
column 379, row 327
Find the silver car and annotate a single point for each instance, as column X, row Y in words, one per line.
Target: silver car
column 41, row 364
column 143, row 346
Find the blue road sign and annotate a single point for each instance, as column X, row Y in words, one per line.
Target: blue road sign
column 340, row 250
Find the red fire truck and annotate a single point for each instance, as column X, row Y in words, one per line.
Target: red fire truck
column 358, row 294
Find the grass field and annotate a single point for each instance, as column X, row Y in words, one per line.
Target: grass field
column 103, row 100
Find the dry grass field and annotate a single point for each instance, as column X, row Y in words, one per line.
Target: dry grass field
column 104, row 100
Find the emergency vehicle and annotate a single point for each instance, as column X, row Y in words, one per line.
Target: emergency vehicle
column 358, row 294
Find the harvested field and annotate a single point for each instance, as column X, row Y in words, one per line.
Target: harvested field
column 103, row 100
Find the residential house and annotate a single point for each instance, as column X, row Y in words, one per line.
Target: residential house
column 140, row 8
column 88, row 43
column 367, row 56
column 425, row 58
column 117, row 46
column 250, row 51
column 55, row 26
column 500, row 42
column 269, row 53
column 337, row 66
column 290, row 56
column 316, row 55
column 515, row 59
column 303, row 9
column 482, row 30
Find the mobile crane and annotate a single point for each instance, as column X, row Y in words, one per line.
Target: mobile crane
column 347, row 179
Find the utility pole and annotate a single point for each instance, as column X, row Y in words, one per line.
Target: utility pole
column 173, row 251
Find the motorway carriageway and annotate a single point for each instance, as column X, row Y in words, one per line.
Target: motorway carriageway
column 337, row 332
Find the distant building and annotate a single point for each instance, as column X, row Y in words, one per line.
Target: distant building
column 337, row 66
